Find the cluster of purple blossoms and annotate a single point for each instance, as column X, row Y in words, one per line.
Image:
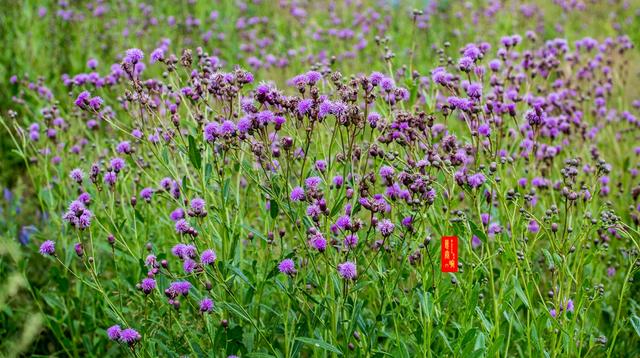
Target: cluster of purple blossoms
column 183, row 227
column 128, row 336
column 86, row 102
column 569, row 307
column 78, row 215
column 317, row 240
column 198, row 208
column 184, row 251
column 178, row 288
column 497, row 100
column 133, row 56
column 386, row 227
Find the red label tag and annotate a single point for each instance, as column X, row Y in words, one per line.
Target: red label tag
column 449, row 254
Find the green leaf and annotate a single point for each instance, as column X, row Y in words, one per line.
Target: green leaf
column 239, row 273
column 402, row 351
column 445, row 339
column 259, row 355
column 485, row 322
column 194, row 153
column 273, row 209
column 139, row 216
column 208, row 172
column 237, row 310
column 165, row 155
column 479, row 233
column 635, row 322
column 337, row 206
column 520, row 292
column 319, row 344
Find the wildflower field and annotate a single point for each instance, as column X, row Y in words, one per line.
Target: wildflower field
column 254, row 178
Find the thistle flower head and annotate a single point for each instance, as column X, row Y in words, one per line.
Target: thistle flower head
column 133, row 56
column 348, row 270
column 48, row 248
column 287, row 267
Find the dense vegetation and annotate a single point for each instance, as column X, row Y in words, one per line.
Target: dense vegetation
column 273, row 179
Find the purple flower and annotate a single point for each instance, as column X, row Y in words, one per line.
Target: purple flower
column 211, row 131
column 533, row 226
column 198, row 207
column 133, row 56
column 78, row 215
column 129, row 336
column 304, row 106
column 124, row 147
column 96, row 103
column 321, row 165
column 313, row 77
column 344, row 222
column 297, row 194
column 347, row 270
column 83, row 99
column 177, row 214
column 376, row 78
column 338, row 181
column 475, row 242
column 312, row 182
column 494, row 65
column 78, row 249
column 570, row 307
column 113, row 332
column 522, row 182
column 110, row 178
column 373, row 118
column 48, row 248
column 157, row 55
column 184, row 251
column 476, row 180
column 117, row 164
column 182, row 227
column 386, row 172
column 494, row 228
column 386, row 227
column 180, row 288
column 407, row 222
column 287, row 267
column 208, row 257
column 189, row 265
column 387, row 84
column 148, row 285
column 151, row 260
column 77, row 175
column 265, row 117
column 484, row 130
column 146, row 194
column 92, row 63
column 206, row 305
column 351, row 241
column 318, row 242
column 227, row 128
